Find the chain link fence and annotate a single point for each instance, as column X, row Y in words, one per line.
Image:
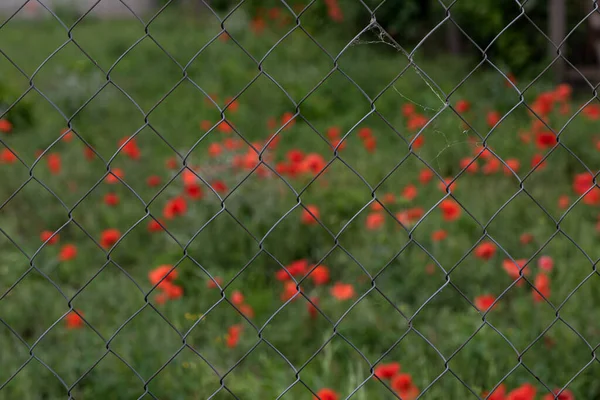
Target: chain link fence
column 393, row 234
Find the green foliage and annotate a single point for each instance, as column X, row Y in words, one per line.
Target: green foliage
column 20, row 113
column 241, row 237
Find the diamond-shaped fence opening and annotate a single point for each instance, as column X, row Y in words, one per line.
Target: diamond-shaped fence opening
column 299, row 199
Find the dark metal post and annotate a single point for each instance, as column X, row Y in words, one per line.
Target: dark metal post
column 557, row 21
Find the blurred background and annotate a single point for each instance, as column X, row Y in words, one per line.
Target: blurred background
column 292, row 199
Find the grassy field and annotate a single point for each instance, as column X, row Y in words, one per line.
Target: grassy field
column 402, row 260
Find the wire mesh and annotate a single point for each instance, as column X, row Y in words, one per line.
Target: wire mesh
column 262, row 165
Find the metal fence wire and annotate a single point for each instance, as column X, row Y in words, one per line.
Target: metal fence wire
column 380, row 378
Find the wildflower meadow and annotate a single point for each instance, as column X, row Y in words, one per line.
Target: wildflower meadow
column 193, row 209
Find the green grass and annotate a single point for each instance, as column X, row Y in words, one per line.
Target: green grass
column 247, row 232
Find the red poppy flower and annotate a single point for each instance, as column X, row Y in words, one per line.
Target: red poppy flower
column 73, row 320
column 543, row 140
column 342, row 291
column 485, row 250
column 288, row 118
column 510, row 78
column 194, row 191
column 483, row 152
column 114, row 175
column 389, row 198
column 526, row 238
column 334, row 132
column 592, row 112
column 514, row 268
column 418, row 142
column 175, row 207
column 54, row 163
column 466, row 164
column 7, row 156
column 409, row 192
column 370, row 144
column 205, row 125
column 403, row 218
column 462, row 106
column 484, row 302
column 161, row 298
column 237, row 298
column 111, row 199
column 447, row 184
column 171, row 163
column 212, row 283
column 375, row 221
column 537, row 159
column 154, row 226
column 402, row 382
column 546, row 263
column 512, row 165
column 491, row 166
column 274, row 13
column 233, row 335
column 109, row 237
column 215, row 149
column 5, row 126
column 171, row 290
column 563, row 92
column 563, row 202
column 219, row 186
column 233, row 104
column 365, row 133
column 544, row 104
column 326, row 394
column 497, row 394
column 584, row 182
column 542, row 284
column 564, row 395
column 416, row 121
column 212, row 97
column 425, row 176
column 66, row 135
column 524, row 392
column 334, row 11
column 493, row 117
column 310, row 215
column 258, row 25
column 414, row 214
column 130, row 148
column 224, row 127
column 408, row 109
column 67, row 252
column 410, row 394
column 189, row 177
column 525, row 137
column 450, row 209
column 439, row 235
column 296, row 268
column 232, row 144
column 153, row 181
column 295, row 155
column 46, row 235
column 387, row 371
column 320, row 275
column 246, row 310
column 289, row 291
column 88, row 153
column 160, row 272
column 313, row 162
column 376, row 206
